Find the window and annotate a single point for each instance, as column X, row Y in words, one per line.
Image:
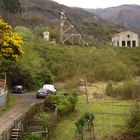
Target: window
column 123, row 43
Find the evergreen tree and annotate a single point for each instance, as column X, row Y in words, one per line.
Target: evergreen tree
column 12, row 6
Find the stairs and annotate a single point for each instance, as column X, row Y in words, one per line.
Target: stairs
column 16, row 134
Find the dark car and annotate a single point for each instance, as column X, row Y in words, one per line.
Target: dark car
column 18, row 89
column 42, row 93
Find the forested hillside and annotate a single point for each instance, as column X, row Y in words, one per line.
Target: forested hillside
column 126, row 15
column 96, row 84
column 46, row 61
column 46, row 13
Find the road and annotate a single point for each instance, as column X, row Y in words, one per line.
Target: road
column 23, row 103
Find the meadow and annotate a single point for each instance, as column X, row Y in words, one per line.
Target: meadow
column 110, row 117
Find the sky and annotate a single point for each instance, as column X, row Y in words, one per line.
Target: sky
column 96, row 3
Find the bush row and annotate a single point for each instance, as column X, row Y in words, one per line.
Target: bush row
column 133, row 123
column 127, row 90
column 67, row 105
column 44, row 62
column 62, row 103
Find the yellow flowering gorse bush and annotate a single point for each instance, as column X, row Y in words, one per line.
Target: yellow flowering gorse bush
column 10, row 42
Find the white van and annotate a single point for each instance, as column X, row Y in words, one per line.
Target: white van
column 50, row 88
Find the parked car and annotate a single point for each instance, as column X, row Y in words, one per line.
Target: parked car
column 50, row 88
column 42, row 93
column 18, row 89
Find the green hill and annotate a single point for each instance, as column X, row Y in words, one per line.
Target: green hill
column 46, row 13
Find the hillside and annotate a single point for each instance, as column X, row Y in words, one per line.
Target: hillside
column 46, row 13
column 126, row 15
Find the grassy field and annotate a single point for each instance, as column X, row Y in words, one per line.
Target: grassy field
column 110, row 116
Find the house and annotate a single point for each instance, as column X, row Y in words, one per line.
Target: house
column 126, row 39
column 3, row 92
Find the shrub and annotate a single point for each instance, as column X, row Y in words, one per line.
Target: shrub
column 88, row 116
column 85, row 120
column 72, row 98
column 128, row 90
column 68, row 104
column 54, row 98
column 33, row 137
column 63, row 107
column 133, row 123
column 51, row 102
column 63, row 104
column 109, row 88
column 95, row 64
column 50, row 123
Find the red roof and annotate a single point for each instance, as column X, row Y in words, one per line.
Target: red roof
column 2, row 82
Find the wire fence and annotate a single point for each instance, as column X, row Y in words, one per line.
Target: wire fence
column 112, row 118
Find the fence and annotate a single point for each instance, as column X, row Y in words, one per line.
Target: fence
column 21, row 122
column 110, row 116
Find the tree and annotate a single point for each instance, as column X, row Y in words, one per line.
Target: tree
column 80, row 124
column 32, row 64
column 12, row 6
column 10, row 42
column 89, row 119
column 85, row 120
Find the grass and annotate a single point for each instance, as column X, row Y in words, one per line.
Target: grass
column 109, row 114
column 6, row 107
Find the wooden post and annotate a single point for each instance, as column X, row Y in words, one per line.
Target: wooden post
column 83, row 88
column 86, row 92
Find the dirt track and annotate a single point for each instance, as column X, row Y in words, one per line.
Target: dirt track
column 23, row 103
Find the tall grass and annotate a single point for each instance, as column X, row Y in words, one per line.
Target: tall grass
column 133, row 122
column 127, row 90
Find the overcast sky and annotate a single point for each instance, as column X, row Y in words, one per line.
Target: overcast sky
column 96, row 3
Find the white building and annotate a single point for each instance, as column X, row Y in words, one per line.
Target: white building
column 47, row 36
column 126, row 39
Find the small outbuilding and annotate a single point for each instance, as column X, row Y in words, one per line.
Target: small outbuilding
column 46, row 36
column 126, row 39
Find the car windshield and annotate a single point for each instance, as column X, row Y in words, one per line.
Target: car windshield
column 48, row 87
column 19, row 87
column 42, row 90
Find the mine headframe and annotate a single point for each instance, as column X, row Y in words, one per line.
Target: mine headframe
column 68, row 31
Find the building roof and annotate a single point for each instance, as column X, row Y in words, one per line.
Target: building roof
column 125, row 33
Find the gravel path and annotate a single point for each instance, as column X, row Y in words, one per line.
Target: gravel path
column 24, row 101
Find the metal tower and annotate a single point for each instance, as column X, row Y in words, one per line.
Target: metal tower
column 68, row 31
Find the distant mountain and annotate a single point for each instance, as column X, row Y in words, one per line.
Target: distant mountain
column 46, row 13
column 126, row 15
